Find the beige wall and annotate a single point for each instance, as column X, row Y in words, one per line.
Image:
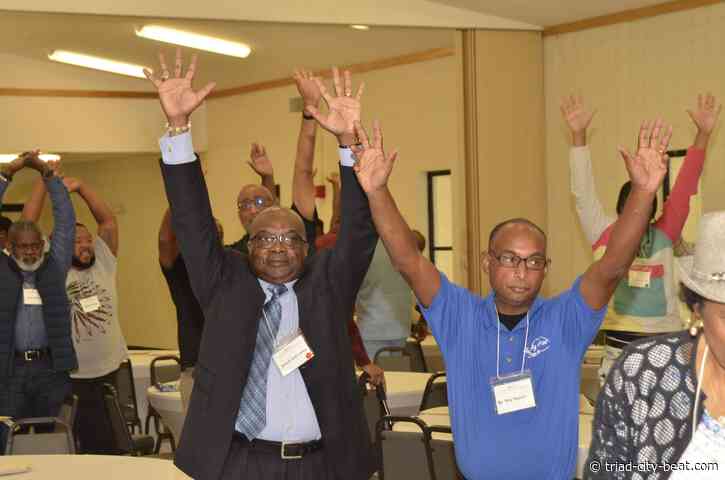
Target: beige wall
column 510, row 138
column 628, row 72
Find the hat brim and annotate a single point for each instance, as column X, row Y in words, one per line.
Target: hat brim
column 710, row 290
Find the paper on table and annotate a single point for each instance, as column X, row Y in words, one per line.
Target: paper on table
column 14, row 469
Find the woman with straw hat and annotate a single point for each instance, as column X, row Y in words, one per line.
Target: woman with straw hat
column 661, row 413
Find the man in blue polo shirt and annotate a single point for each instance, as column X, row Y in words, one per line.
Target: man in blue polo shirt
column 513, row 358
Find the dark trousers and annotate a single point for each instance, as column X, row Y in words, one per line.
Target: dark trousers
column 93, row 427
column 33, row 390
column 244, row 462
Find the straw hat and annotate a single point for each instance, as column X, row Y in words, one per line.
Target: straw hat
column 704, row 272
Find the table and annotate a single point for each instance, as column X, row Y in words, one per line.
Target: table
column 405, row 391
column 170, row 407
column 585, row 439
column 91, row 467
column 141, row 364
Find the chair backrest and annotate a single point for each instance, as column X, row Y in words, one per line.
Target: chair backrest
column 435, row 393
column 375, row 406
column 404, row 454
column 57, row 440
column 69, row 411
column 126, row 393
column 121, row 436
column 161, row 373
column 417, row 359
column 443, row 455
column 394, row 359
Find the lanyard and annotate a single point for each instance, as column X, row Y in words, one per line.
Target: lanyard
column 498, row 344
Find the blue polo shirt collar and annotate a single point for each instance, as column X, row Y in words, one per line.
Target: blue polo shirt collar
column 490, row 312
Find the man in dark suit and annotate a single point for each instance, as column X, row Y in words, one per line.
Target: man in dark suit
column 275, row 393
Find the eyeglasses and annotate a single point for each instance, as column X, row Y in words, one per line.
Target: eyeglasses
column 33, row 247
column 256, row 202
column 267, row 240
column 511, row 260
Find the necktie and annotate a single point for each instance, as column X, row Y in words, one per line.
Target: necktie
column 252, row 415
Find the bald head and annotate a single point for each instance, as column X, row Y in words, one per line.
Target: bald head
column 251, row 200
column 519, row 225
column 277, row 218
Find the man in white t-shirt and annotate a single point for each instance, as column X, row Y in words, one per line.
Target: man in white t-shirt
column 95, row 328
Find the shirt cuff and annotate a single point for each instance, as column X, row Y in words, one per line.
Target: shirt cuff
column 177, row 150
column 347, row 159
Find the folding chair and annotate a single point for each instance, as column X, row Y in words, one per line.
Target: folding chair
column 394, row 359
column 417, row 359
column 443, row 455
column 435, row 393
column 26, row 438
column 125, row 442
column 126, row 391
column 404, row 454
column 159, row 375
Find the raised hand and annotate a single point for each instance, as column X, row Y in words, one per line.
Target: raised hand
column 307, row 87
column 32, row 160
column 259, row 161
column 334, row 179
column 343, row 108
column 373, row 166
column 707, row 113
column 178, row 98
column 577, row 117
column 648, row 167
column 72, row 184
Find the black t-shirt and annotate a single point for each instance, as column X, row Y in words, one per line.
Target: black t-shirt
column 189, row 316
column 310, row 230
column 510, row 321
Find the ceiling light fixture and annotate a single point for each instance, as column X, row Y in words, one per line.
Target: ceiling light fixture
column 194, row 40
column 46, row 157
column 97, row 63
column 360, row 27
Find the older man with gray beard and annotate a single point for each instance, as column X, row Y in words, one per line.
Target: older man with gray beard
column 36, row 350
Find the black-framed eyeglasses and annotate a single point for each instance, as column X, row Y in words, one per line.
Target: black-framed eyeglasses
column 258, row 202
column 267, row 240
column 511, row 260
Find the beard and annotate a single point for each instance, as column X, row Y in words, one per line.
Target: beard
column 29, row 267
column 80, row 265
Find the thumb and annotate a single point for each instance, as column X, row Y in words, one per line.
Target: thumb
column 314, row 111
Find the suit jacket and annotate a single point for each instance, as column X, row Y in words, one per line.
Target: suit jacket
column 232, row 300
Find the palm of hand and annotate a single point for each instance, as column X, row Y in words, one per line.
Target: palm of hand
column 579, row 119
column 344, row 112
column 705, row 119
column 177, row 97
column 262, row 165
column 371, row 170
column 648, row 169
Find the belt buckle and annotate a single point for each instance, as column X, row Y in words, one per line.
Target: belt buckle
column 288, row 457
column 28, row 355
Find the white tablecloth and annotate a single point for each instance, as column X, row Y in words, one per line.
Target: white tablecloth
column 141, row 364
column 405, row 391
column 169, row 406
column 91, row 467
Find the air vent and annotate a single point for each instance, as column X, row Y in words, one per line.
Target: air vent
column 296, row 105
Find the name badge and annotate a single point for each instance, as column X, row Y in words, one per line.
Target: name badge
column 639, row 278
column 31, row 296
column 90, row 304
column 292, row 353
column 513, row 393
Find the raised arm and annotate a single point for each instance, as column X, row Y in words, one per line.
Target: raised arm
column 646, row 171
column 191, row 214
column 677, row 206
column 373, row 169
column 262, row 166
column 7, row 171
column 168, row 247
column 33, row 207
column 588, row 207
column 105, row 219
column 356, row 240
column 303, row 186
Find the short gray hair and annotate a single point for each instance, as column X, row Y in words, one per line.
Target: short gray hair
column 23, row 226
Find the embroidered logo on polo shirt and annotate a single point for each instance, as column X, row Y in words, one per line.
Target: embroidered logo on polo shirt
column 538, row 346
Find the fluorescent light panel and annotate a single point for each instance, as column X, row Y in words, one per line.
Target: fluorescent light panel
column 360, row 27
column 97, row 63
column 46, row 157
column 195, row 41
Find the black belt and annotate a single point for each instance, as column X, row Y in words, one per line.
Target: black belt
column 619, row 339
column 286, row 451
column 32, row 355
